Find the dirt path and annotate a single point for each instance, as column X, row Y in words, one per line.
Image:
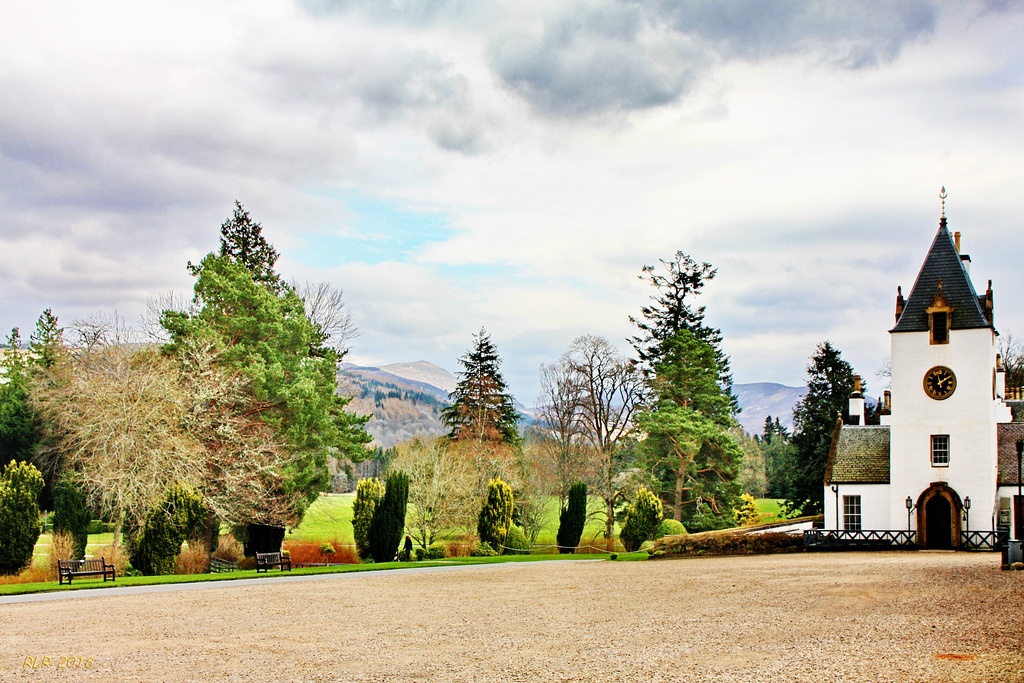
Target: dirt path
column 806, row 617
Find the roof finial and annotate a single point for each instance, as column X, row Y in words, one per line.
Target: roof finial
column 942, row 196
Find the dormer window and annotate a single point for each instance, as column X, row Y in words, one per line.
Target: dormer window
column 940, row 314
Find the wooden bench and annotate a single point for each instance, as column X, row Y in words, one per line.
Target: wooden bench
column 69, row 569
column 264, row 561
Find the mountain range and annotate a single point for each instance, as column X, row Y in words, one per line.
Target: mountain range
column 405, row 400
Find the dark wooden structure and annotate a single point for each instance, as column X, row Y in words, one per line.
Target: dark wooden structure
column 69, row 569
column 264, row 561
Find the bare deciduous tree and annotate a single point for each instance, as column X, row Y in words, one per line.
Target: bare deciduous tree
column 594, row 391
column 441, row 488
column 325, row 308
column 133, row 422
column 1012, row 350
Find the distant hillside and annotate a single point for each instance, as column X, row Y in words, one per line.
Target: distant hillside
column 402, row 406
column 405, row 400
column 761, row 399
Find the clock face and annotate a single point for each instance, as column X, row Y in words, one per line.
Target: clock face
column 939, row 382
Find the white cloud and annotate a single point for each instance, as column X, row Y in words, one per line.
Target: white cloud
column 565, row 145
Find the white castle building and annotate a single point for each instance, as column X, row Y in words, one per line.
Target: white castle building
column 941, row 470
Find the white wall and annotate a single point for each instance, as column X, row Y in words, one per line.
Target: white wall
column 969, row 417
column 874, row 506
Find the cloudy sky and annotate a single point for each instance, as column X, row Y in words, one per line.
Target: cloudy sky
column 513, row 165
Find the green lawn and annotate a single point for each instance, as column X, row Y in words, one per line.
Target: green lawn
column 328, row 518
column 771, row 508
column 87, row 584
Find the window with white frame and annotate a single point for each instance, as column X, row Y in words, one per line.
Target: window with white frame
column 851, row 513
column 940, row 450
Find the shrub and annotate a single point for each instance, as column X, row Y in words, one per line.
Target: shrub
column 515, row 542
column 62, row 547
column 572, row 519
column 670, row 527
column 116, row 555
column 229, row 549
column 20, row 485
column 496, row 514
column 641, row 521
column 388, row 522
column 71, row 514
column 165, row 528
column 326, row 549
column 748, row 514
column 436, row 551
column 483, row 550
column 727, row 543
column 309, row 552
column 192, row 560
column 368, row 494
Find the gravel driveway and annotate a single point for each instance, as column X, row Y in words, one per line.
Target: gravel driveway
column 805, row 617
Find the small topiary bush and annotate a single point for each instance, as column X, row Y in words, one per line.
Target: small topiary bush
column 572, row 519
column 165, row 528
column 515, row 542
column 670, row 527
column 641, row 521
column 496, row 514
column 747, row 514
column 388, row 522
column 483, row 550
column 368, row 494
column 20, row 485
column 436, row 551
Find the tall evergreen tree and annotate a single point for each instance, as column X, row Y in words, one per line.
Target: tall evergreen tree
column 242, row 242
column 671, row 311
column 18, row 430
column 71, row 512
column 572, row 519
column 47, row 341
column 482, row 409
column 829, row 385
column 389, row 518
column 688, row 446
column 259, row 329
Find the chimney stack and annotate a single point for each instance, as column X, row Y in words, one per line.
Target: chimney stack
column 856, row 403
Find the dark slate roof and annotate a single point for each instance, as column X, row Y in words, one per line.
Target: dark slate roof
column 1006, row 436
column 860, row 455
column 943, row 262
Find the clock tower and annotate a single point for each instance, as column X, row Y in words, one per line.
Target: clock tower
column 938, row 472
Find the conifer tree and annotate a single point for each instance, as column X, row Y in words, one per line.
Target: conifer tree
column 20, row 484
column 829, row 385
column 18, row 427
column 71, row 513
column 388, row 524
column 242, row 242
column 482, row 409
column 672, row 311
column 368, row 495
column 572, row 519
column 258, row 328
column 748, row 513
column 688, row 445
column 47, row 341
column 495, row 517
column 642, row 520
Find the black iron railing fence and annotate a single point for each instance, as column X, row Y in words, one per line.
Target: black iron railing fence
column 822, row 539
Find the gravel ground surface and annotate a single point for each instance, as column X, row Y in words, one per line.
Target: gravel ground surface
column 806, row 617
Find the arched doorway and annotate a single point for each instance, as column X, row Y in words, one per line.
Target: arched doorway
column 938, row 517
